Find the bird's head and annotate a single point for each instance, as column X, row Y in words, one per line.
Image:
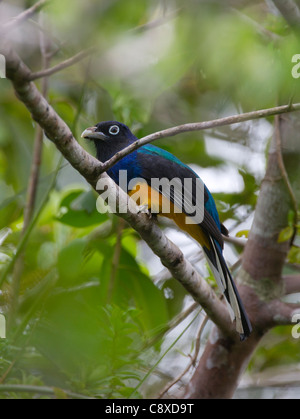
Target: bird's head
column 109, row 137
column 109, row 131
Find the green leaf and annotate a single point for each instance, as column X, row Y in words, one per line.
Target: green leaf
column 294, row 255
column 70, row 261
column 285, row 234
column 242, row 233
column 78, row 209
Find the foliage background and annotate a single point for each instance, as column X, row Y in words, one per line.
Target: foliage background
column 96, row 310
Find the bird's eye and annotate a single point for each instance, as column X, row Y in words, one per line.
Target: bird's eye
column 114, row 130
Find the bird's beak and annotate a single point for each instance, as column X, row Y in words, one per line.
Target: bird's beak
column 91, row 133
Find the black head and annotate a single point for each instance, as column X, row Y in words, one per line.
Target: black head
column 109, row 131
column 109, row 138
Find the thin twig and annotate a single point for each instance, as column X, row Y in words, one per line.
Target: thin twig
column 50, row 391
column 171, row 325
column 199, row 126
column 236, row 264
column 22, row 17
column 38, row 142
column 8, row 370
column 157, row 22
column 191, row 363
column 163, row 355
column 235, row 240
column 265, row 33
column 61, row 66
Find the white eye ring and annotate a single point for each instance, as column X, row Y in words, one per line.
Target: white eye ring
column 114, row 130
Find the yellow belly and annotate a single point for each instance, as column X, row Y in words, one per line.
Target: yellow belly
column 144, row 195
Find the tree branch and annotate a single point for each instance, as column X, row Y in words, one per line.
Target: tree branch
column 235, row 240
column 58, row 132
column 38, row 141
column 55, row 128
column 292, row 284
column 281, row 313
column 61, row 66
column 22, row 17
column 31, row 191
column 265, row 33
column 43, row 390
column 199, row 126
column 290, row 11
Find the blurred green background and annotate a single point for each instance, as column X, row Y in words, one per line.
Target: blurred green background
column 97, row 314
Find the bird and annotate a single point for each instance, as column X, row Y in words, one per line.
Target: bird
column 151, row 162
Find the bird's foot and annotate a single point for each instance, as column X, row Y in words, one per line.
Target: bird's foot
column 144, row 209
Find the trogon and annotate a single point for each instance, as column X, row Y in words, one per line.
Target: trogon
column 150, row 163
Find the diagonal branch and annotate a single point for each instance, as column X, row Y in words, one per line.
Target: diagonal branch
column 199, row 126
column 22, row 17
column 290, row 11
column 59, row 133
column 31, row 191
column 55, row 128
column 61, row 66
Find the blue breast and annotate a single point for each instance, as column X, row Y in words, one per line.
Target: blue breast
column 129, row 163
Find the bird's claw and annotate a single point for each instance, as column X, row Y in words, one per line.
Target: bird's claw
column 144, row 209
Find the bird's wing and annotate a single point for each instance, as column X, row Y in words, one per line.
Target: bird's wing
column 157, row 163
